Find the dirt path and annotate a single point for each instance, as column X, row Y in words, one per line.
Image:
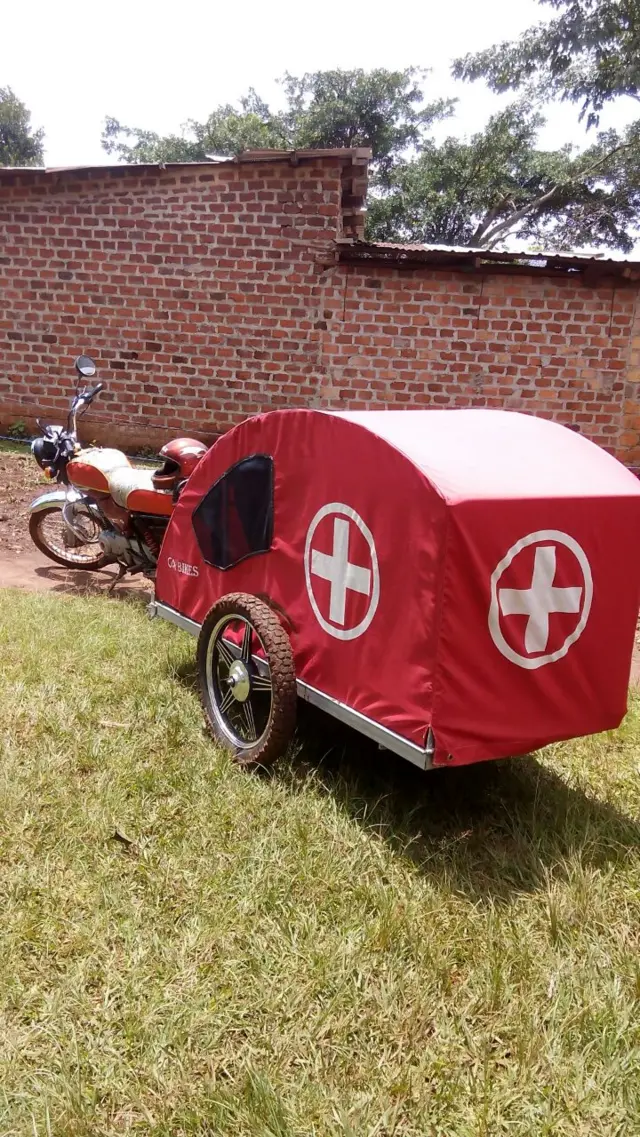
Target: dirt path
column 32, row 571
column 21, row 565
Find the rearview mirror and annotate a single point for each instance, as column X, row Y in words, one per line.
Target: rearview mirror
column 85, row 366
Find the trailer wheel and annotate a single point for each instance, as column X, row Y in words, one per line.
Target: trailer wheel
column 247, row 679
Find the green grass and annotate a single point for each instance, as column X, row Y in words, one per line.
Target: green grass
column 14, row 448
column 347, row 947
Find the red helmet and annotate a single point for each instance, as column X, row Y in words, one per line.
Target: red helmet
column 181, row 456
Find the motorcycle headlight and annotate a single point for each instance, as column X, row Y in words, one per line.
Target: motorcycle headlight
column 44, row 451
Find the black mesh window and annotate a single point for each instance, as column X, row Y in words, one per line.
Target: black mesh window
column 235, row 518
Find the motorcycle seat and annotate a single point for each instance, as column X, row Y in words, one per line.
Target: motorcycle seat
column 134, row 490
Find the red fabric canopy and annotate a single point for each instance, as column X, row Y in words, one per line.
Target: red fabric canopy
column 472, row 571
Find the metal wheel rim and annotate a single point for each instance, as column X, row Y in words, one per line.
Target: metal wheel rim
column 229, row 712
column 52, row 529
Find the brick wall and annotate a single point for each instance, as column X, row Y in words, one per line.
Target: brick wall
column 194, row 290
column 420, row 337
column 206, row 294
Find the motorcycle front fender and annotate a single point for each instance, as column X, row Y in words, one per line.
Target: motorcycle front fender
column 66, row 501
column 54, row 497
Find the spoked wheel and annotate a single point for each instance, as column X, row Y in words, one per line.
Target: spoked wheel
column 51, row 536
column 247, row 679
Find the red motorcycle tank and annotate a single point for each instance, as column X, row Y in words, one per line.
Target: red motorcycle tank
column 92, row 467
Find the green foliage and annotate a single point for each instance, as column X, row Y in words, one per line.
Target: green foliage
column 384, row 110
column 227, row 131
column 147, row 453
column 348, row 946
column 455, row 191
column 131, row 144
column 381, row 109
column 18, row 429
column 589, row 54
column 476, row 192
column 16, row 449
column 20, row 145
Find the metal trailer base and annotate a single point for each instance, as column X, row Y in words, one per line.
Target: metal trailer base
column 386, row 739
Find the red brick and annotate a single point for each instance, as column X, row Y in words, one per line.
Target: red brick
column 204, row 297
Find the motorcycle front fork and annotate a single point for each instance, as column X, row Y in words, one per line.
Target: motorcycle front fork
column 77, row 533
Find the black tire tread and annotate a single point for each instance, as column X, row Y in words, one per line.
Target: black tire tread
column 282, row 668
column 88, row 566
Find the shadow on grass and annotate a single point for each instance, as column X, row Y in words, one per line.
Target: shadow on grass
column 490, row 830
column 186, row 673
column 79, row 582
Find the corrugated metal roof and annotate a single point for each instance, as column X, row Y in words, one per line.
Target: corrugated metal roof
column 530, row 254
column 521, row 260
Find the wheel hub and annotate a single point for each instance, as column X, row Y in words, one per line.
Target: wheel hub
column 239, row 681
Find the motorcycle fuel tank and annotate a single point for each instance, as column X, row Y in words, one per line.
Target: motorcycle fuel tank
column 91, row 469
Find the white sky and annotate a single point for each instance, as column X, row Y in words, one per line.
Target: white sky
column 155, row 64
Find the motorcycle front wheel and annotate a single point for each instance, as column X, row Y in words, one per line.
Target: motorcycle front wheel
column 51, row 536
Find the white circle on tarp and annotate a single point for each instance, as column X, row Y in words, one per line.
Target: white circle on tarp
column 552, row 537
column 340, row 511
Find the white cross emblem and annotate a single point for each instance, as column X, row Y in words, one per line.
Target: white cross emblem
column 540, row 600
column 336, row 568
column 343, row 575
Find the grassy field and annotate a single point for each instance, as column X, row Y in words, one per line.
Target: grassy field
column 346, row 947
column 7, row 447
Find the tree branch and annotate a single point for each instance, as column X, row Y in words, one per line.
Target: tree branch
column 477, row 168
column 600, row 162
column 488, row 218
column 518, row 215
column 489, row 236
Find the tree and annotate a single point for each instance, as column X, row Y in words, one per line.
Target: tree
column 227, row 131
column 498, row 184
column 381, row 109
column 588, row 54
column 478, row 191
column 19, row 144
column 384, row 110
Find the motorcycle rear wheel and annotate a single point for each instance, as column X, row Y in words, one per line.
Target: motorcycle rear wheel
column 47, row 530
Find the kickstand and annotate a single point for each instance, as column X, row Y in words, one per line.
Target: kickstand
column 116, row 580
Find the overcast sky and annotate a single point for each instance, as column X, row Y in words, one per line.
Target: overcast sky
column 156, row 64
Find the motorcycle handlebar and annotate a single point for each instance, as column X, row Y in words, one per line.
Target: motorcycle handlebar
column 80, row 402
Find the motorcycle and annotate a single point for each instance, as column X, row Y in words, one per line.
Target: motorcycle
column 107, row 512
